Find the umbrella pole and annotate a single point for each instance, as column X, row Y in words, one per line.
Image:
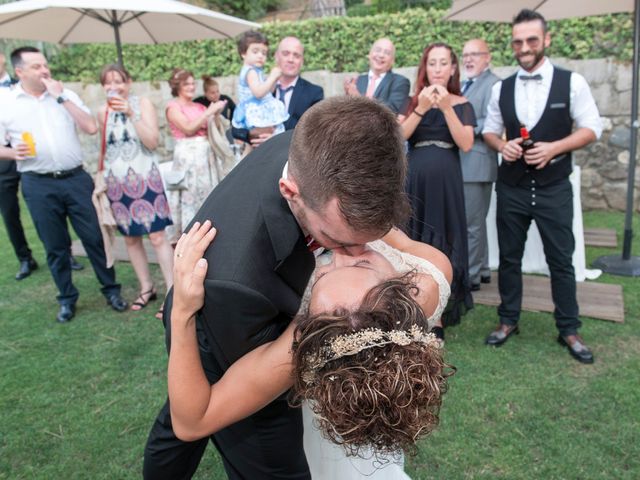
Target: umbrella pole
column 116, row 31
column 628, row 265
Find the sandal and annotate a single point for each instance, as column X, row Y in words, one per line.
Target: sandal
column 143, row 299
column 159, row 314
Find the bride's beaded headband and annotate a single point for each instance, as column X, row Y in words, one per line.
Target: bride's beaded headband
column 353, row 343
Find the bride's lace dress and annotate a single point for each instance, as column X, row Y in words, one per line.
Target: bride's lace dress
column 328, row 461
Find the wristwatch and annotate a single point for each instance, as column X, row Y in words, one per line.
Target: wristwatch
column 62, row 98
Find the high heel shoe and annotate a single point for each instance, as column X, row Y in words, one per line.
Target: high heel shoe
column 143, row 299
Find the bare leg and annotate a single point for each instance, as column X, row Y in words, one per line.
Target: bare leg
column 164, row 252
column 140, row 263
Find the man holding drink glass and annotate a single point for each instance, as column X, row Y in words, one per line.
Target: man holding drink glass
column 54, row 184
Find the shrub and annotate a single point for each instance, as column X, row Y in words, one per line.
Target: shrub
column 340, row 44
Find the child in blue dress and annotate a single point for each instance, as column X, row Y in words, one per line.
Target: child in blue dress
column 257, row 107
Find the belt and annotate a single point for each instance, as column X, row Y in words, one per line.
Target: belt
column 57, row 174
column 436, row 143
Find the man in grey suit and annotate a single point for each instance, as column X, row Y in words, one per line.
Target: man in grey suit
column 480, row 165
column 381, row 83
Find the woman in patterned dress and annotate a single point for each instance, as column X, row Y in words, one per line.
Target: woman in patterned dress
column 134, row 184
column 192, row 155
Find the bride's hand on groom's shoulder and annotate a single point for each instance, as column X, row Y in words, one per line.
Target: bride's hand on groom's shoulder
column 190, row 269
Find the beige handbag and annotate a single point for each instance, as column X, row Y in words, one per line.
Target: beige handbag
column 101, row 203
column 225, row 158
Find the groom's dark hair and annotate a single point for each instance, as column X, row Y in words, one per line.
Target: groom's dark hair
column 351, row 148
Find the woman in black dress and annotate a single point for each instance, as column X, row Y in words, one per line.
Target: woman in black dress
column 439, row 122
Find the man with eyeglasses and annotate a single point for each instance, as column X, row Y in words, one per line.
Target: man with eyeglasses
column 381, row 83
column 480, row 164
column 534, row 185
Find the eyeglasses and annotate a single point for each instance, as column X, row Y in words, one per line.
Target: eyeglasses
column 473, row 55
column 384, row 51
column 532, row 42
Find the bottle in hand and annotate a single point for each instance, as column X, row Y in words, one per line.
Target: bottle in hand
column 527, row 143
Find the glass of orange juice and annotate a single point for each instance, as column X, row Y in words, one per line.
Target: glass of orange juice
column 27, row 138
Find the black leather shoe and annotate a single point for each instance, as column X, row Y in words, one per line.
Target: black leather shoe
column 475, row 287
column 117, row 302
column 485, row 279
column 26, row 267
column 66, row 313
column 578, row 350
column 499, row 336
column 75, row 265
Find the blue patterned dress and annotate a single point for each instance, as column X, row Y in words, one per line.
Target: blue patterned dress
column 134, row 184
column 254, row 112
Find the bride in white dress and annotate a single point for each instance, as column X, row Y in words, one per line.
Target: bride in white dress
column 328, row 460
column 366, row 320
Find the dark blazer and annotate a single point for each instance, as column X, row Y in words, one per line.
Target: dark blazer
column 305, row 94
column 393, row 90
column 259, row 264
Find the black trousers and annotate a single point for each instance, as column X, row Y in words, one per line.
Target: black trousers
column 10, row 209
column 50, row 202
column 267, row 445
column 551, row 206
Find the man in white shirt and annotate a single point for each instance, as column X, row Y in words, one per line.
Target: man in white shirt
column 381, row 83
column 54, row 184
column 534, row 184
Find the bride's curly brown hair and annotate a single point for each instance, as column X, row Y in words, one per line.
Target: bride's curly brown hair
column 384, row 397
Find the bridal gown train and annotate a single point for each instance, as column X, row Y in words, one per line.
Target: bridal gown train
column 328, row 461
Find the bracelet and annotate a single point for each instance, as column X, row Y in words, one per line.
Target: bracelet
column 421, row 115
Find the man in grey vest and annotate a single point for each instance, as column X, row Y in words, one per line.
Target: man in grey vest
column 480, row 165
column 534, row 185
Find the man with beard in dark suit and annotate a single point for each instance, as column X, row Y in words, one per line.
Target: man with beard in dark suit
column 337, row 181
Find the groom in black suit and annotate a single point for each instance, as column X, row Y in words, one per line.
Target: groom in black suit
column 337, row 179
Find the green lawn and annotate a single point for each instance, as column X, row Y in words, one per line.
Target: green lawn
column 77, row 400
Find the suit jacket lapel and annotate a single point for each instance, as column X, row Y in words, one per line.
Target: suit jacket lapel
column 294, row 262
column 296, row 95
column 383, row 85
column 361, row 83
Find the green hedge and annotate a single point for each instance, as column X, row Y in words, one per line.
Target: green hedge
column 341, row 43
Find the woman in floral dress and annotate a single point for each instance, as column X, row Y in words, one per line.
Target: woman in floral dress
column 134, row 185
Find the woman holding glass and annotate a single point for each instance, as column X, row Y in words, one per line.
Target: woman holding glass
column 130, row 135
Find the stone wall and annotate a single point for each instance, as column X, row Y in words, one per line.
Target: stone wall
column 604, row 163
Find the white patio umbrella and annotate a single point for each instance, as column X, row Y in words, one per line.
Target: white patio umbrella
column 125, row 21
column 504, row 11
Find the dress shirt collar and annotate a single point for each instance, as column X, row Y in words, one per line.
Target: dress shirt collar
column 5, row 79
column 292, row 84
column 19, row 91
column 380, row 77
